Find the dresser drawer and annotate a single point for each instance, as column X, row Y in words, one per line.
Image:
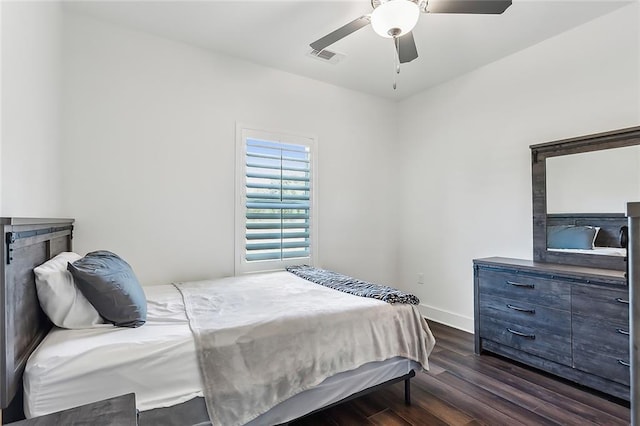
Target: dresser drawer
column 600, row 303
column 518, row 286
column 519, row 312
column 600, row 337
column 601, row 348
column 528, row 337
column 608, row 367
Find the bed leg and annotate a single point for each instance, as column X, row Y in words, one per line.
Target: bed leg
column 407, row 391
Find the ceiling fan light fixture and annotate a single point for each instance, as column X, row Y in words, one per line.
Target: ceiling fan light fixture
column 395, row 18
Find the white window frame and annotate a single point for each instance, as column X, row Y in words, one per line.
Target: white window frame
column 244, row 131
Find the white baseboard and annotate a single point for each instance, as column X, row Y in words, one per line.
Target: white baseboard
column 448, row 318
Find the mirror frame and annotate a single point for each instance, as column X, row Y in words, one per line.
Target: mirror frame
column 539, row 154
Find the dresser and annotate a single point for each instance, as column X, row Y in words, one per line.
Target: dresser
column 572, row 321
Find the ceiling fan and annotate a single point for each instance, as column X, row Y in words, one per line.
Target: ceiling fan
column 396, row 19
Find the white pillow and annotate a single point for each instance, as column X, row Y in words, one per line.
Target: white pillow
column 593, row 243
column 59, row 297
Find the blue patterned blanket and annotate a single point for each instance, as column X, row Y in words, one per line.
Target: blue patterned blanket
column 352, row 285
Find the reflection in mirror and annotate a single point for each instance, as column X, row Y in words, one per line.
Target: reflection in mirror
column 593, row 182
column 585, row 184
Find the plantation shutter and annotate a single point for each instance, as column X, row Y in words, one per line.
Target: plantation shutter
column 278, row 200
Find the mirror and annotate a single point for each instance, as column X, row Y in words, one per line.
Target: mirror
column 585, row 182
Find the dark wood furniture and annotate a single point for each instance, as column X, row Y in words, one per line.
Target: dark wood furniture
column 565, row 313
column 633, row 212
column 539, row 154
column 26, row 243
column 568, row 320
column 117, row 411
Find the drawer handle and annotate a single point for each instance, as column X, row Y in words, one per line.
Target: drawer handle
column 621, row 331
column 520, row 284
column 619, row 300
column 519, row 309
column 518, row 333
column 626, row 364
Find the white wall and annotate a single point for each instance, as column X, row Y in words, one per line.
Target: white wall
column 30, row 136
column 465, row 151
column 149, row 149
column 146, row 143
column 593, row 182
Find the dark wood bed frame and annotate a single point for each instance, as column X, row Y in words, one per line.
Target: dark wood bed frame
column 27, row 243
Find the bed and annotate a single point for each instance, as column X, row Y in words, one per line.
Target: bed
column 65, row 365
column 608, row 249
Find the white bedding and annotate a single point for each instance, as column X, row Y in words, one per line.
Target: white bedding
column 156, row 361
column 603, row 251
column 264, row 338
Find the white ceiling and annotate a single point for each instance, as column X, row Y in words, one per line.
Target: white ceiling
column 277, row 34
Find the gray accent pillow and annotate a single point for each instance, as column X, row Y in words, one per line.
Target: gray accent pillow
column 571, row 237
column 110, row 285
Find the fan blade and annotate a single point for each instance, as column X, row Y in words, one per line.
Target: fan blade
column 492, row 7
column 340, row 33
column 407, row 50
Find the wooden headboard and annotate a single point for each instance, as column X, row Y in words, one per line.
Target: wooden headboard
column 26, row 244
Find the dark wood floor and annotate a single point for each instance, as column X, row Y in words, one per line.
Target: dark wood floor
column 464, row 389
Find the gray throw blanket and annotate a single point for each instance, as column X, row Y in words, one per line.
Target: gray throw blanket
column 352, row 285
column 262, row 338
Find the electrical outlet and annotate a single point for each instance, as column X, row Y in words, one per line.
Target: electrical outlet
column 420, row 278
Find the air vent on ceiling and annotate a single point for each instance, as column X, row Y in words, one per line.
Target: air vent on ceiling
column 326, row 56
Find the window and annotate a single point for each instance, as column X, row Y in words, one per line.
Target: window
column 274, row 198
